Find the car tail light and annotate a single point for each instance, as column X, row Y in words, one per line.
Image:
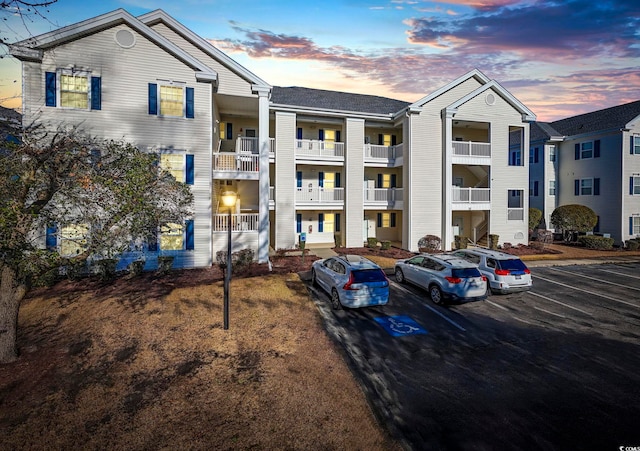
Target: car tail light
column 502, row 272
column 484, row 278
column 453, row 279
column 526, row 271
column 348, row 285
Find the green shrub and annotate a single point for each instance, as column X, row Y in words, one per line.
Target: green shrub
column 573, row 218
column 493, row 241
column 632, row 245
column 106, row 268
column 535, row 216
column 338, row 240
column 136, row 267
column 596, row 242
column 460, row 242
column 165, row 263
column 372, row 242
column 385, row 245
column 429, row 243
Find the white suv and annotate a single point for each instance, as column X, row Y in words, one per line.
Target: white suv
column 505, row 273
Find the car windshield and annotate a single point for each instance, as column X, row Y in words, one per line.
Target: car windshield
column 369, row 275
column 465, row 273
column 512, row 264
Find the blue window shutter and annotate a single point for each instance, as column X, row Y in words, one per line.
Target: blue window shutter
column 189, row 170
column 577, row 151
column 379, row 181
column 393, row 219
column 298, row 223
column 338, row 181
column 152, row 243
column 229, row 134
column 576, row 187
column 536, row 155
column 320, row 222
column 50, row 89
column 52, row 239
column 630, row 225
column 299, row 133
column 188, row 239
column 393, row 180
column 337, row 224
column 380, row 139
column 299, row 179
column 379, row 220
column 338, row 135
column 535, row 188
column 631, row 185
column 596, row 187
column 321, row 179
column 153, row 98
column 96, row 93
column 596, row 148
column 393, row 140
column 190, row 106
column 321, row 134
column 597, row 226
column 631, row 146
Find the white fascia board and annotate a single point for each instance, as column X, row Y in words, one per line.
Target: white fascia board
column 474, row 73
column 527, row 114
column 160, row 16
column 113, row 18
column 324, row 112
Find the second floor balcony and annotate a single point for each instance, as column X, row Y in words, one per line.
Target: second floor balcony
column 471, row 198
column 317, row 196
column 384, row 155
column 383, row 197
column 471, row 152
column 235, row 165
column 313, row 149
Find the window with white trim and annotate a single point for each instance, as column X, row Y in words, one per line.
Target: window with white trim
column 74, row 89
column 586, row 150
column 171, row 237
column 515, row 157
column 73, row 239
column 179, row 165
column 171, row 99
column 635, row 186
column 586, row 187
column 552, row 153
column 635, row 225
column 552, row 187
column 329, row 222
column 636, row 145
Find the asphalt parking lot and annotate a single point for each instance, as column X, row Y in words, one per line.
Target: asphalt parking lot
column 554, row 368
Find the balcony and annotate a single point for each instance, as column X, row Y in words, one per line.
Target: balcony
column 471, row 198
column 235, row 165
column 246, row 144
column 244, row 222
column 319, row 196
column 312, row 149
column 375, row 154
column 469, row 152
column 383, row 197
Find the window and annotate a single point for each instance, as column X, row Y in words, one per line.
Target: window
column 634, row 225
column 387, row 181
column 73, row 239
column 534, row 155
column 533, row 188
column 552, row 187
column 586, row 150
column 172, row 100
column 329, row 137
column 329, row 222
column 177, row 237
column 386, row 219
column 634, row 186
column 515, row 157
column 180, row 166
column 515, row 206
column 226, row 130
column 73, row 89
column 298, row 223
column 635, row 145
column 552, row 153
column 587, row 187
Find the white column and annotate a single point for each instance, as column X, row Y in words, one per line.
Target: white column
column 354, row 188
column 447, row 179
column 263, row 204
column 285, row 182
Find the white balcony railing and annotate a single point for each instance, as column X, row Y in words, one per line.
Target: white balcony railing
column 316, row 148
column 239, row 222
column 379, row 152
column 234, row 162
column 320, row 195
column 471, row 149
column 272, row 193
column 471, row 195
column 515, row 214
column 382, row 195
column 246, row 144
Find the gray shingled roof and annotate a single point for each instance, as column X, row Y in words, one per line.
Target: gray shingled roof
column 543, row 131
column 334, row 100
column 607, row 119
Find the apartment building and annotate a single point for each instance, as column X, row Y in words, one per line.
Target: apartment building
column 338, row 167
column 591, row 159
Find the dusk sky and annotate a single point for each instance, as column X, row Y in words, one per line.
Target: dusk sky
column 559, row 58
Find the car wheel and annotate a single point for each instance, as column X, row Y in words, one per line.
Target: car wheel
column 436, row 294
column 314, row 280
column 335, row 300
column 399, row 276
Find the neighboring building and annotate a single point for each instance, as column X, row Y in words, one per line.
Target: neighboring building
column 592, row 159
column 339, row 167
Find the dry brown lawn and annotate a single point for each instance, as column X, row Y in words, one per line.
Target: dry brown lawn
column 144, row 363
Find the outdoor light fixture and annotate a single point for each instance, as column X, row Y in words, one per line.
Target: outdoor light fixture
column 228, row 200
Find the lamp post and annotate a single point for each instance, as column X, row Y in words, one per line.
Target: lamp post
column 228, row 200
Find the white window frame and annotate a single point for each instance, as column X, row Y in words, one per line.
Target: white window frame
column 583, row 150
column 636, row 225
column 552, row 187
column 636, row 186
column 167, row 231
column 172, row 84
column 183, row 169
column 636, row 145
column 59, row 91
column 518, row 153
column 552, row 153
column 583, row 187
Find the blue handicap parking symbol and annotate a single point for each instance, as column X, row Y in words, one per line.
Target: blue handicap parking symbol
column 398, row 326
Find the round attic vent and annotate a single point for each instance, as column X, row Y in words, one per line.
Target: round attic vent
column 490, row 98
column 125, row 38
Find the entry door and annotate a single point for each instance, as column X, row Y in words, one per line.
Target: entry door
column 458, row 224
column 368, row 229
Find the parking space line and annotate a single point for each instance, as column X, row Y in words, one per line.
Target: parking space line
column 445, row 318
column 597, row 280
column 496, row 305
column 590, row 292
column 618, row 273
column 558, row 302
column 549, row 312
